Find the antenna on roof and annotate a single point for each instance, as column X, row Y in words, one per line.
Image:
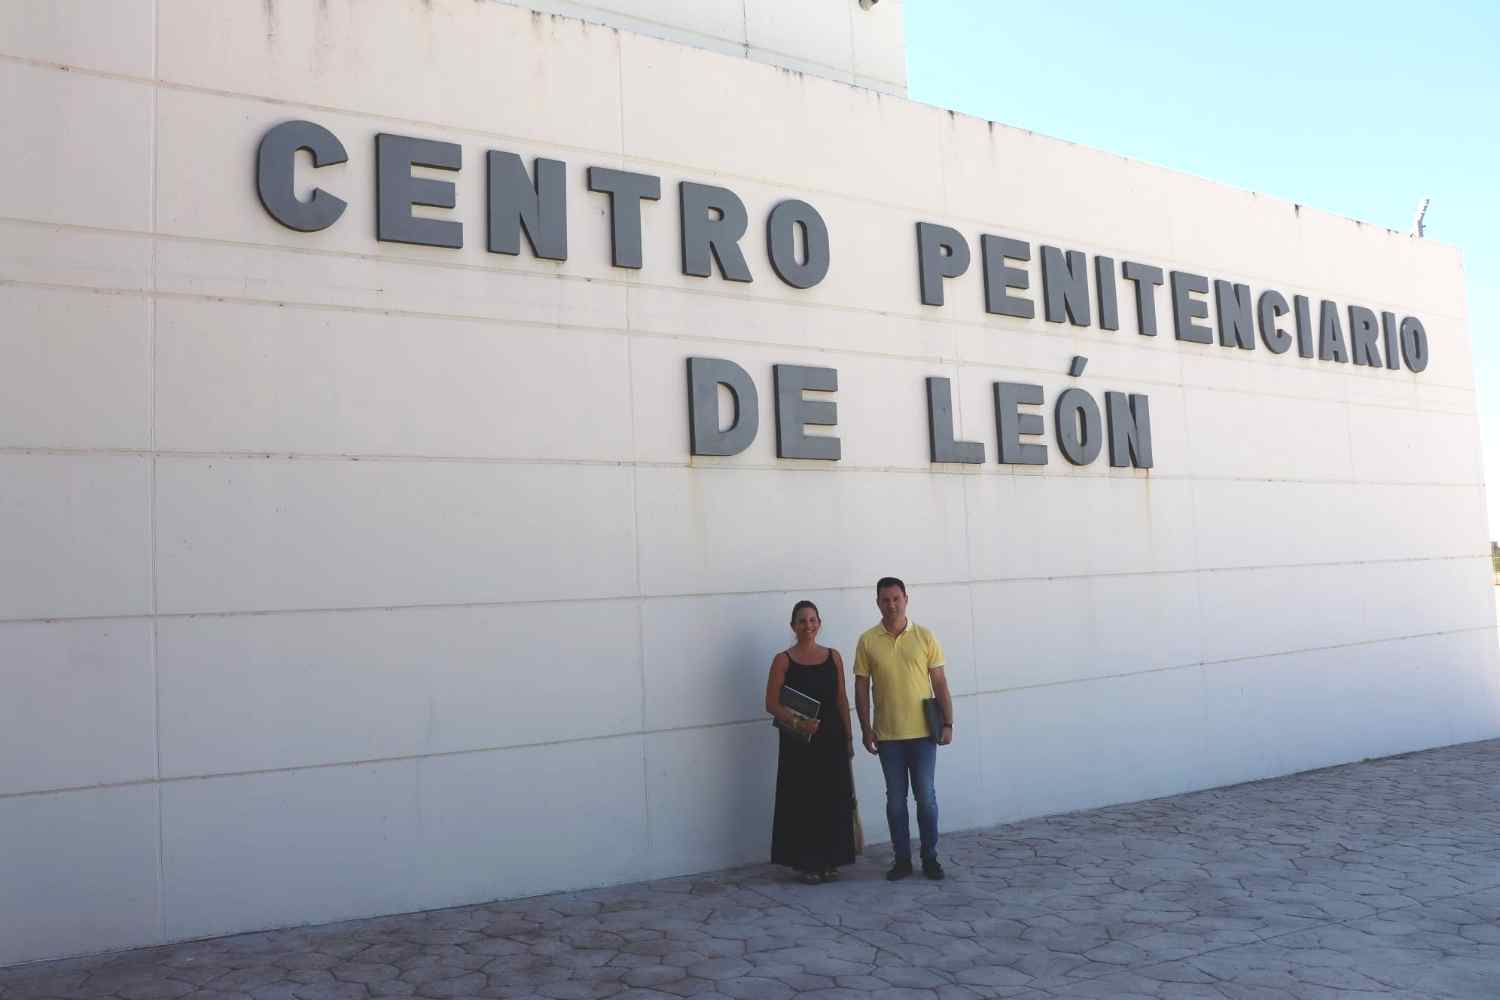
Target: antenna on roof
column 1417, row 228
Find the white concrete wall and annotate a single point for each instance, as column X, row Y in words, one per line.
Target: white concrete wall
column 834, row 39
column 298, row 534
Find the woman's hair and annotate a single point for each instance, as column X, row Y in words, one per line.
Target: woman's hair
column 804, row 604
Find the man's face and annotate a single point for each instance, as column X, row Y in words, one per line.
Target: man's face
column 892, row 604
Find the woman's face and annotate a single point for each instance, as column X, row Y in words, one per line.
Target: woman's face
column 806, row 623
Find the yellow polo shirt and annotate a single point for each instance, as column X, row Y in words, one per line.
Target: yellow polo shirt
column 898, row 669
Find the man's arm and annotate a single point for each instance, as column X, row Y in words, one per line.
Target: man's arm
column 862, row 706
column 945, row 702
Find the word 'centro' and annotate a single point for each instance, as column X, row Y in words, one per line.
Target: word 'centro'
column 714, row 220
column 1077, row 423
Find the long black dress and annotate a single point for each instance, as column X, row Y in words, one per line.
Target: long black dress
column 814, row 825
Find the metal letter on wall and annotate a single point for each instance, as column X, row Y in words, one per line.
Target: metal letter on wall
column 999, row 277
column 1302, row 311
column 626, row 192
column 1011, row 423
column 1364, row 333
column 1129, row 429
column 1330, row 334
column 1232, row 303
column 940, row 426
column 1146, row 280
column 781, row 238
column 793, row 412
column 941, row 253
column 396, row 191
column 1109, row 299
column 1272, row 307
column 275, row 161
column 1185, row 308
column 1414, row 344
column 705, row 436
column 706, row 238
column 1065, row 286
column 1391, row 332
column 515, row 204
column 1080, row 432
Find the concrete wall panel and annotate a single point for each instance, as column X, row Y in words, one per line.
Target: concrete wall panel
column 257, row 692
column 531, row 820
column 79, row 707
column 76, row 530
column 836, row 130
column 879, row 36
column 290, row 847
column 479, row 66
column 1035, row 632
column 265, row 536
column 233, row 271
column 79, row 873
column 819, row 35
column 116, row 37
column 262, row 378
column 63, row 128
column 1029, row 526
column 709, row 792
column 736, row 530
column 94, row 260
column 81, row 369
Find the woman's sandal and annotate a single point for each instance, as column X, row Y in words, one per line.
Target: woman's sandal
column 830, row 875
column 811, row 878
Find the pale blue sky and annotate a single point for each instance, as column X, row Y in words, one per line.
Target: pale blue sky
column 1361, row 109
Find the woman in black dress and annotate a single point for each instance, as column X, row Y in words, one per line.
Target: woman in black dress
column 813, row 831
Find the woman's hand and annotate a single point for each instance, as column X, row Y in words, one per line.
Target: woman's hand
column 808, row 726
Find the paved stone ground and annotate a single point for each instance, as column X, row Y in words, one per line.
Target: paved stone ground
column 1379, row 878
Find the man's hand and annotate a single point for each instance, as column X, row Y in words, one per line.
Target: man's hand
column 945, row 736
column 870, row 742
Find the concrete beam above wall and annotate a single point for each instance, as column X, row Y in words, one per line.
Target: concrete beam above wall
column 836, row 39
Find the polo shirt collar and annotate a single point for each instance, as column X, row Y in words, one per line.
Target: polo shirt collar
column 887, row 633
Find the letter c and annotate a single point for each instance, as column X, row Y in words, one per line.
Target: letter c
column 274, row 163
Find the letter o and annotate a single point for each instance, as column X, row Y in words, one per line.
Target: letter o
column 1414, row 343
column 1076, row 407
column 781, row 239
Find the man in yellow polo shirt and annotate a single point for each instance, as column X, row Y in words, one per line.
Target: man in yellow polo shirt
column 904, row 661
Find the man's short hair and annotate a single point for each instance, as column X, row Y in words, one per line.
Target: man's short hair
column 888, row 581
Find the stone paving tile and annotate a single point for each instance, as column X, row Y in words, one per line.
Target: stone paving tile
column 1375, row 879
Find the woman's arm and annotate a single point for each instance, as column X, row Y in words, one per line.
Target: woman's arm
column 838, row 662
column 773, row 688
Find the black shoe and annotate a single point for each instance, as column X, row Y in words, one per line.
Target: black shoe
column 931, row 869
column 899, row 870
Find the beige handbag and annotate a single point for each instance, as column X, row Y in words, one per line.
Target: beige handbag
column 859, row 830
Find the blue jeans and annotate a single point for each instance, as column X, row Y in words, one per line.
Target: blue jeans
column 919, row 758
